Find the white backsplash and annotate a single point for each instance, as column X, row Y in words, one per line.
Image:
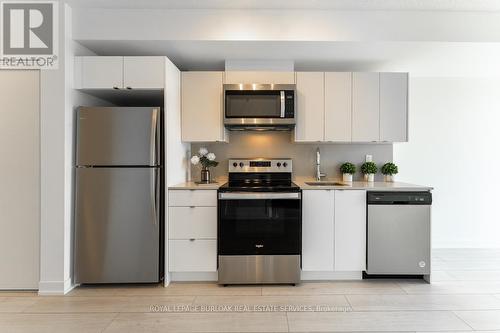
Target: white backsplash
column 280, row 145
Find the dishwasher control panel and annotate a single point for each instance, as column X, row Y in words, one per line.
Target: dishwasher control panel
column 399, row 198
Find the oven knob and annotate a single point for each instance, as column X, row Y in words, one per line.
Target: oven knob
column 235, row 164
column 278, row 164
column 241, row 164
column 285, row 164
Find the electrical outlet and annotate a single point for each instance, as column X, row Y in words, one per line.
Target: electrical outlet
column 368, row 158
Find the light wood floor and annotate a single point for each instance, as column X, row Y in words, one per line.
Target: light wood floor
column 465, row 296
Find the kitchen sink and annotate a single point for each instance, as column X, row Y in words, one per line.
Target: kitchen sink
column 323, row 183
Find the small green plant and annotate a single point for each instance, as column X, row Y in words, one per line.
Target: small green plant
column 348, row 168
column 368, row 168
column 389, row 169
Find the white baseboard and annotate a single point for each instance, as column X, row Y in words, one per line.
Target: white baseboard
column 322, row 276
column 193, row 276
column 55, row 287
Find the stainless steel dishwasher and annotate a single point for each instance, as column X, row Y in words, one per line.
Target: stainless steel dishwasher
column 399, row 234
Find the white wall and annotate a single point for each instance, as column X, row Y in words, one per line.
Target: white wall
column 454, row 140
column 19, row 179
column 57, row 100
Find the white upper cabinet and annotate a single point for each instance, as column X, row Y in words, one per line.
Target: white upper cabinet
column 351, row 107
column 143, row 72
column 350, row 230
column 310, row 107
column 394, row 107
column 98, row 72
column 202, row 118
column 261, row 77
column 318, row 230
column 338, row 108
column 365, row 107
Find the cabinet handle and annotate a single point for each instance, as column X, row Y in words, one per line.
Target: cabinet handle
column 129, row 88
column 115, row 87
column 191, row 239
column 192, row 206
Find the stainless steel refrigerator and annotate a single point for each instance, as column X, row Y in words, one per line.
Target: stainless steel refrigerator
column 119, row 194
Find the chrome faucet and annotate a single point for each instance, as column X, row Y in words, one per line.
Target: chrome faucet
column 318, row 166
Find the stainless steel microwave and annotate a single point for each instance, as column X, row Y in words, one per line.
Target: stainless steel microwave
column 259, row 106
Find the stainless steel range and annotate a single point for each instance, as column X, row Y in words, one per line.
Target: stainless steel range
column 259, row 223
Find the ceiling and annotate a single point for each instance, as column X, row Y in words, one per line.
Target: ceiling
column 420, row 58
column 427, row 5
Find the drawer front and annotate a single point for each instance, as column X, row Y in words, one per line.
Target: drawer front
column 187, row 198
column 192, row 222
column 192, row 256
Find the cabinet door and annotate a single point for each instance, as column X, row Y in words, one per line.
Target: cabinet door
column 192, row 222
column 102, row 72
column 192, row 198
column 350, row 230
column 202, row 107
column 310, row 106
column 338, row 110
column 262, row 77
column 196, row 255
column 318, row 230
column 365, row 107
column 144, row 72
column 394, row 107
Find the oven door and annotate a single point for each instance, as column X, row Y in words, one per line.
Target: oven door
column 253, row 223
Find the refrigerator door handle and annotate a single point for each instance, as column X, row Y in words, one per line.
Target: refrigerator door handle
column 153, row 182
column 154, row 141
column 157, row 196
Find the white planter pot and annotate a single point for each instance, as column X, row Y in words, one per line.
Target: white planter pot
column 347, row 177
column 370, row 177
column 390, row 178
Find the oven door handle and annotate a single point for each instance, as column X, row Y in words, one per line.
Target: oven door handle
column 258, row 196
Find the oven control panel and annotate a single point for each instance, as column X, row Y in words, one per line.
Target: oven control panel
column 260, row 165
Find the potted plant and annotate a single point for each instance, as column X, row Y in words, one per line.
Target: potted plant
column 369, row 169
column 207, row 160
column 389, row 170
column 347, row 169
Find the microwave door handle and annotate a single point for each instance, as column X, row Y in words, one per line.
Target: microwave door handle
column 282, row 102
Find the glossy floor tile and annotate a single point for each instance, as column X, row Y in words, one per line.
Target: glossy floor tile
column 464, row 297
column 375, row 321
column 423, row 302
column 337, row 287
column 15, row 304
column 55, row 323
column 481, row 320
column 199, row 322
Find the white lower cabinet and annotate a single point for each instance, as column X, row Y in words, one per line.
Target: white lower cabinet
column 197, row 255
column 333, row 230
column 350, row 230
column 192, row 231
column 318, row 230
column 192, row 222
column 192, row 198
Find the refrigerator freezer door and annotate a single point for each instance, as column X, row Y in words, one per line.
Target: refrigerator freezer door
column 125, row 136
column 117, row 238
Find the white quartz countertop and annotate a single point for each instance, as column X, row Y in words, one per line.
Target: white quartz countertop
column 301, row 182
column 361, row 185
column 193, row 186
